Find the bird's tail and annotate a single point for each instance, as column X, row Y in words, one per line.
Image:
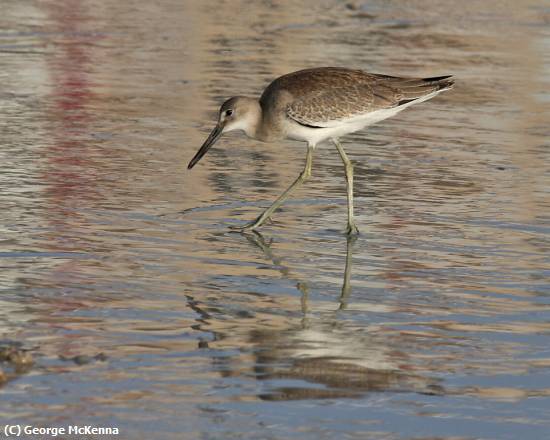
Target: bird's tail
column 440, row 82
column 421, row 89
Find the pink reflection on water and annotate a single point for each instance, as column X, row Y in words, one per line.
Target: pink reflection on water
column 71, row 170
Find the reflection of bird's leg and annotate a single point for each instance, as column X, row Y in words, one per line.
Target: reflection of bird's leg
column 346, row 286
column 351, row 229
column 257, row 239
column 304, row 288
column 304, row 175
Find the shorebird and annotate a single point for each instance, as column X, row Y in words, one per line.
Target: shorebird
column 315, row 105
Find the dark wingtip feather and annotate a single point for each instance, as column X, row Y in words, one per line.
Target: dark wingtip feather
column 406, row 101
column 437, row 78
column 442, row 82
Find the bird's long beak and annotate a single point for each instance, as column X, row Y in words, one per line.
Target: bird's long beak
column 210, row 140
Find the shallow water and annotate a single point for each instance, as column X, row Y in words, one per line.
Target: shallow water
column 434, row 323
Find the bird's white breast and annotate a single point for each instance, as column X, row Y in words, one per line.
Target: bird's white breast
column 314, row 136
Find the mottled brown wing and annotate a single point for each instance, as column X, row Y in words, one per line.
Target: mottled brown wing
column 342, row 104
column 326, row 97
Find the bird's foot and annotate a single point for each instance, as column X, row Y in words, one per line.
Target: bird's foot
column 242, row 228
column 351, row 230
column 250, row 226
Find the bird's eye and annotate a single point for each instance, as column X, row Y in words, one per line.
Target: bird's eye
column 228, row 112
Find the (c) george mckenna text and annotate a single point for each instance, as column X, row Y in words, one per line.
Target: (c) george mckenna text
column 74, row 429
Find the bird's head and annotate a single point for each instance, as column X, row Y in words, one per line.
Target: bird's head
column 237, row 113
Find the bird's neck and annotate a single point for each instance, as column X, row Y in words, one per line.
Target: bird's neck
column 253, row 127
column 259, row 124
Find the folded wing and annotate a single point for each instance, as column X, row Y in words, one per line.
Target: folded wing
column 345, row 95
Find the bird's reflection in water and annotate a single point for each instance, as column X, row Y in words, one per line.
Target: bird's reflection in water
column 258, row 239
column 339, row 358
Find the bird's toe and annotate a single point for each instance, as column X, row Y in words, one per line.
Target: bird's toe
column 352, row 230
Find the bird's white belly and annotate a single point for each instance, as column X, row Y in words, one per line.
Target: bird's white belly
column 316, row 135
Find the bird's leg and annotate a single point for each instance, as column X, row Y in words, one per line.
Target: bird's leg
column 351, row 228
column 346, row 286
column 304, row 175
